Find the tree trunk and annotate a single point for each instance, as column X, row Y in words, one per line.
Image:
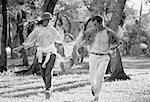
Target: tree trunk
column 116, row 66
column 3, row 57
column 14, row 39
column 148, row 50
column 21, row 39
column 23, row 51
column 75, row 58
column 139, row 31
column 117, row 71
column 108, row 70
column 14, row 44
column 47, row 7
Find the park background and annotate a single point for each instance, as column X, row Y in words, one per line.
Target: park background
column 127, row 76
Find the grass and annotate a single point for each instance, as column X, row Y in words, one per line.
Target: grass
column 74, row 86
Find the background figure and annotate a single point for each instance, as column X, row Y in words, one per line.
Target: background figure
column 60, row 41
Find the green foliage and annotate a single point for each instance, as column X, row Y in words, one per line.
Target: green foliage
column 146, row 22
column 83, row 9
column 147, row 1
column 73, row 9
column 32, row 8
column 130, row 12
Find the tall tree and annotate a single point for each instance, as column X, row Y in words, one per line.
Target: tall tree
column 3, row 56
column 49, row 6
column 19, row 31
column 116, row 62
column 139, row 31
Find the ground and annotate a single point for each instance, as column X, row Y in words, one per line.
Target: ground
column 74, row 86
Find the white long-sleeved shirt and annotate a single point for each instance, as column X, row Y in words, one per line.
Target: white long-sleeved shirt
column 100, row 43
column 42, row 37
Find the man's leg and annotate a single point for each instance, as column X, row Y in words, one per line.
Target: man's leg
column 93, row 69
column 103, row 63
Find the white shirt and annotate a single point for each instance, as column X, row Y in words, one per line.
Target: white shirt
column 42, row 37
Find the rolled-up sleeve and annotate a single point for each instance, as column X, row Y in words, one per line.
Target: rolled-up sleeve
column 31, row 39
column 84, row 37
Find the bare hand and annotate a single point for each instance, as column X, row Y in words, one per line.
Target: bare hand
column 112, row 52
column 115, row 46
column 17, row 49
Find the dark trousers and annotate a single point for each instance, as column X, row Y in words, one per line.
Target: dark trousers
column 46, row 72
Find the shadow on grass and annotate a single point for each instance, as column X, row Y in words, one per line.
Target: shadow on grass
column 71, row 85
column 19, row 90
column 9, row 86
column 137, row 64
column 25, row 83
column 5, row 86
column 58, row 87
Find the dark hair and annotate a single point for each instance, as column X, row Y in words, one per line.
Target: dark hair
column 98, row 19
column 39, row 22
column 21, row 2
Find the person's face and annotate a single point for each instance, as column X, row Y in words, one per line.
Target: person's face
column 96, row 24
column 45, row 22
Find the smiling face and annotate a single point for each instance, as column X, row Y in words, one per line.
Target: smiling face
column 97, row 24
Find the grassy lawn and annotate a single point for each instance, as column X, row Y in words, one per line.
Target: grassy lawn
column 74, row 86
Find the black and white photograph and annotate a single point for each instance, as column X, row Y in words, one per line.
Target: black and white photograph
column 74, row 50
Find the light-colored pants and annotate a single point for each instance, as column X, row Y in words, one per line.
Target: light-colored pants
column 98, row 65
